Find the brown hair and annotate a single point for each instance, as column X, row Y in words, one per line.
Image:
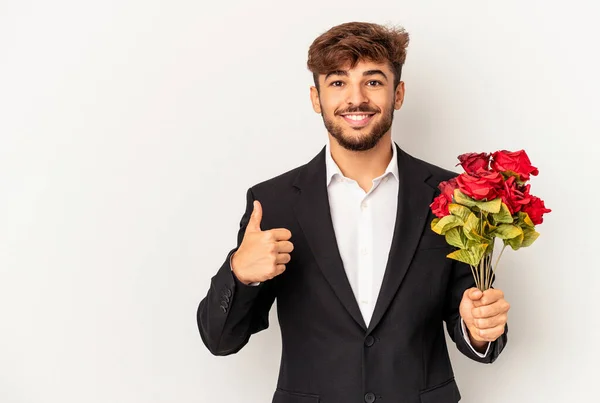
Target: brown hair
column 352, row 42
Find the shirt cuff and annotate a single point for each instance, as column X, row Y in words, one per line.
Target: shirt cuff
column 231, row 267
column 466, row 336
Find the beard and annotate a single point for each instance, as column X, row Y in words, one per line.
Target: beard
column 365, row 140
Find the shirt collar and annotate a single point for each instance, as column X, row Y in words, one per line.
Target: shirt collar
column 333, row 169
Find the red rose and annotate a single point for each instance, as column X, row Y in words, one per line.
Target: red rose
column 513, row 163
column 514, row 196
column 474, row 162
column 440, row 206
column 536, row 209
column 447, row 188
column 482, row 185
column 440, row 203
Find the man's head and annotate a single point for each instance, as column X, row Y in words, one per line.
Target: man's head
column 356, row 68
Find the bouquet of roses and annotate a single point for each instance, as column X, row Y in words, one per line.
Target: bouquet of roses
column 489, row 200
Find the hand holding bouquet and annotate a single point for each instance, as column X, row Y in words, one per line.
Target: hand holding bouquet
column 491, row 199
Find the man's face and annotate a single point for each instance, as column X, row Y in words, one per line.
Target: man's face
column 357, row 105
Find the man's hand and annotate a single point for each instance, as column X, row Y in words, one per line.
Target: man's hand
column 484, row 314
column 262, row 255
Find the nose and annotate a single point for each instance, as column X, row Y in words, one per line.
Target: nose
column 356, row 95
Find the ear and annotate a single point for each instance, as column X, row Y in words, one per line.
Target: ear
column 314, row 98
column 399, row 95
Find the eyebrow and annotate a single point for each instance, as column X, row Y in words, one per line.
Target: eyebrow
column 345, row 73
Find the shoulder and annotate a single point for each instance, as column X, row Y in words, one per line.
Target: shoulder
column 277, row 183
column 437, row 173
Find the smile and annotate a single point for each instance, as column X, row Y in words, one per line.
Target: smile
column 358, row 120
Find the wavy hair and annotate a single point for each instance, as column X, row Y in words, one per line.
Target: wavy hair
column 352, row 42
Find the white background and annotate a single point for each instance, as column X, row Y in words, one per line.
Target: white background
column 131, row 130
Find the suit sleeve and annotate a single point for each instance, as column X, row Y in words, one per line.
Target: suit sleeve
column 462, row 279
column 232, row 311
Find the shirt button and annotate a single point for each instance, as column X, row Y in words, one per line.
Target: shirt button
column 364, row 251
column 369, row 341
column 370, row 397
column 364, row 205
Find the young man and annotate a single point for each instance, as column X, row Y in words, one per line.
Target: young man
column 363, row 285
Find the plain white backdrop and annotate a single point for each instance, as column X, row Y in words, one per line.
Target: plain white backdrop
column 130, row 131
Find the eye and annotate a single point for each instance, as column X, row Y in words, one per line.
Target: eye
column 334, row 82
column 376, row 81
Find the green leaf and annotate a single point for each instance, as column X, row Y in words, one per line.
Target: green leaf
column 471, row 243
column 515, row 243
column 478, row 251
column 459, row 211
column 508, row 231
column 488, row 228
column 491, row 206
column 470, row 256
column 503, row 216
column 446, row 223
column 434, row 222
column 471, row 227
column 528, row 221
column 463, row 255
column 529, row 236
column 461, row 198
column 524, row 220
column 456, row 237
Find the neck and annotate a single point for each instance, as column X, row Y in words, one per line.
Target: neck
column 363, row 166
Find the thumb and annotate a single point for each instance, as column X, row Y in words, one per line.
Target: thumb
column 475, row 294
column 255, row 218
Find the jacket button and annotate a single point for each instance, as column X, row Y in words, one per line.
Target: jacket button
column 369, row 341
column 370, row 397
column 228, row 292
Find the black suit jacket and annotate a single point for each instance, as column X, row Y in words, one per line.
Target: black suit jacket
column 329, row 355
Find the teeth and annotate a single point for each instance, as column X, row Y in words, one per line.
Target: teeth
column 357, row 117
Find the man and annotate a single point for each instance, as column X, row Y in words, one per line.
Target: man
column 363, row 285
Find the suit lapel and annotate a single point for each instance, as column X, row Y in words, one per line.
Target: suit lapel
column 414, row 198
column 314, row 216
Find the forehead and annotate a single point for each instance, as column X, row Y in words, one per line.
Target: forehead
column 360, row 67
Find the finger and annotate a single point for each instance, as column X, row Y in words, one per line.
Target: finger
column 255, row 218
column 475, row 294
column 284, row 246
column 280, row 234
column 472, row 293
column 282, row 258
column 488, row 323
column 280, row 268
column 488, row 311
column 477, row 303
column 491, row 295
column 491, row 334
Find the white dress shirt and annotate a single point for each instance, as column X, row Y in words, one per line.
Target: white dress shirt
column 364, row 225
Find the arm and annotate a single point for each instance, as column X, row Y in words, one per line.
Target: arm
column 232, row 311
column 462, row 279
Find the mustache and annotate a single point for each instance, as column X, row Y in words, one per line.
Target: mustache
column 358, row 109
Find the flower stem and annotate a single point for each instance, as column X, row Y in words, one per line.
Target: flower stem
column 482, row 273
column 495, row 267
column 475, row 276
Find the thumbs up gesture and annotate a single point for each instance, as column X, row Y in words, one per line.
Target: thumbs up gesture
column 262, row 255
